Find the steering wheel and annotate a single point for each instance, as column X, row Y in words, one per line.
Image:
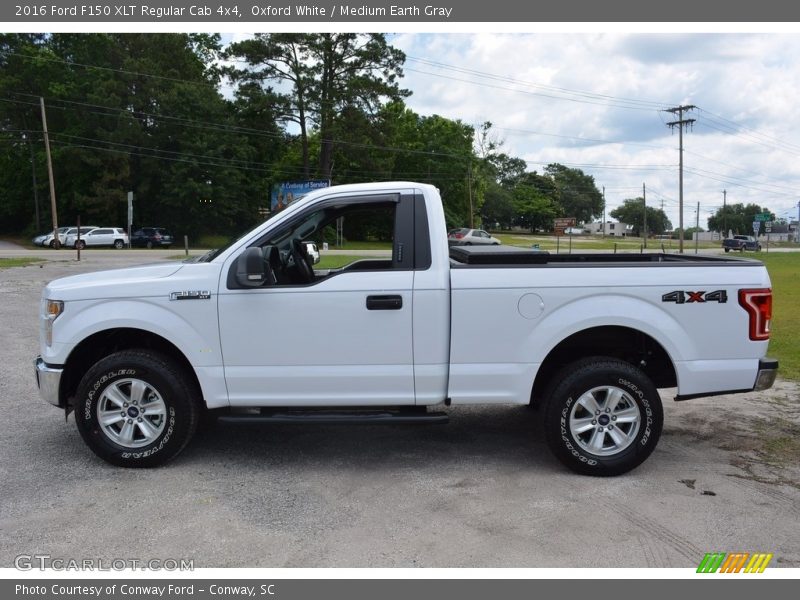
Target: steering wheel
column 304, row 270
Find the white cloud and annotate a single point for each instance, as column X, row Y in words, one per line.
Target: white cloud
column 750, row 79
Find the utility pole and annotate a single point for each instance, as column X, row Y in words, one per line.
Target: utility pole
column 680, row 124
column 50, row 175
column 469, row 185
column 603, row 224
column 724, row 214
column 644, row 203
column 697, row 228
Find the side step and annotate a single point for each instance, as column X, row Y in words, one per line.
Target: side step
column 343, row 417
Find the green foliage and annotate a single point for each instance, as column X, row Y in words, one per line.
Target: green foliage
column 737, row 218
column 631, row 212
column 577, row 194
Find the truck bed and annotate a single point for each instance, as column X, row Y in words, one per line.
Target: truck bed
column 507, row 256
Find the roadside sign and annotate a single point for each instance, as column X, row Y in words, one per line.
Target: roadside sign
column 756, row 226
column 762, row 216
column 767, row 226
column 560, row 224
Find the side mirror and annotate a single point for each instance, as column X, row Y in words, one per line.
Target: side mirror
column 251, row 269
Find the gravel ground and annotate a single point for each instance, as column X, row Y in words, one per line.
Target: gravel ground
column 482, row 491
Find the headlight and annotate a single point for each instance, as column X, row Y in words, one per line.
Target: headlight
column 52, row 309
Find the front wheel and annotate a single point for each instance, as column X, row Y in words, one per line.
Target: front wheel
column 135, row 408
column 119, row 244
column 603, row 416
column 80, row 245
column 727, row 250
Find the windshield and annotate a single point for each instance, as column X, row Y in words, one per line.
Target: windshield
column 212, row 254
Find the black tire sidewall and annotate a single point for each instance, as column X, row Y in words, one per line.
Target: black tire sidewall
column 181, row 411
column 577, row 380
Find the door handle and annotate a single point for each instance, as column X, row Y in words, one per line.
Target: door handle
column 394, row 302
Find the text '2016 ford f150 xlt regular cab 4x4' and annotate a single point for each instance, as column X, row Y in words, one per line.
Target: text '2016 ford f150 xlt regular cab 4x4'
column 254, row 332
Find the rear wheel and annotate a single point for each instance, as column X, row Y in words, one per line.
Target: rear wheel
column 727, row 250
column 119, row 244
column 603, row 416
column 135, row 409
column 80, row 244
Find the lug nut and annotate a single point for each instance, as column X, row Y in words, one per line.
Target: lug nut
column 608, row 410
column 601, row 429
column 125, row 404
column 594, row 422
column 139, row 420
column 130, row 421
column 613, row 418
column 610, row 427
column 122, row 414
column 597, row 412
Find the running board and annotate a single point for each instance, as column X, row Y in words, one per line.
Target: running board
column 354, row 417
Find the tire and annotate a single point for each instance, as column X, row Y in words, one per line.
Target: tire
column 52, row 243
column 119, row 244
column 727, row 250
column 81, row 244
column 149, row 245
column 468, row 243
column 162, row 385
column 596, row 450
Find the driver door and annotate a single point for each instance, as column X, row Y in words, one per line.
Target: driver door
column 344, row 339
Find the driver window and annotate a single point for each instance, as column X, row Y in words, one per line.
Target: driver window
column 349, row 237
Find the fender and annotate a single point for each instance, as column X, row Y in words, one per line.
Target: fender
column 190, row 326
column 614, row 310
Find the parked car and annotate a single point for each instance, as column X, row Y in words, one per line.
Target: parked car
column 313, row 251
column 151, row 237
column 49, row 239
column 39, row 239
column 741, row 243
column 68, row 237
column 114, row 237
column 469, row 237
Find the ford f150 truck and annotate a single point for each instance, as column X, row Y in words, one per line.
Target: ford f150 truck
column 741, row 243
column 254, row 332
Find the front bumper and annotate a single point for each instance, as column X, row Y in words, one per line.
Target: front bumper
column 48, row 380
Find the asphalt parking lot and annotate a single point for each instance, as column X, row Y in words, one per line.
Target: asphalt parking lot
column 482, row 491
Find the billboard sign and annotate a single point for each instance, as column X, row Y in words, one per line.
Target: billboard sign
column 283, row 194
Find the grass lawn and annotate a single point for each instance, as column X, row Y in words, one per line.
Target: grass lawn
column 590, row 242
column 7, row 263
column 784, row 270
column 328, row 261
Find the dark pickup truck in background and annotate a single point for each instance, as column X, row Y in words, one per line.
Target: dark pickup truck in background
column 741, row 243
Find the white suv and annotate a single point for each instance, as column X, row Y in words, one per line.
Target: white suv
column 102, row 236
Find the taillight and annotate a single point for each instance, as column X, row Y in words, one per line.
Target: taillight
column 758, row 304
column 459, row 236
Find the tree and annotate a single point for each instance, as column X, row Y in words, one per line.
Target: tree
column 737, row 218
column 631, row 211
column 534, row 208
column 498, row 207
column 329, row 74
column 577, row 194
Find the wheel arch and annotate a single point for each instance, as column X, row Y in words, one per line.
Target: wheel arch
column 625, row 343
column 105, row 342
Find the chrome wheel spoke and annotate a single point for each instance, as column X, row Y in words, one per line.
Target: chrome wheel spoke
column 588, row 402
column 612, row 399
column 109, row 417
column 620, row 439
column 628, row 415
column 155, row 408
column 597, row 439
column 149, row 431
column 579, row 426
column 115, row 395
column 126, row 433
column 138, row 388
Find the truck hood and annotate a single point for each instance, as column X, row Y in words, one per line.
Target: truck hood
column 130, row 281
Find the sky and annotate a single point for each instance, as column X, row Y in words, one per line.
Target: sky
column 605, row 94
column 597, row 102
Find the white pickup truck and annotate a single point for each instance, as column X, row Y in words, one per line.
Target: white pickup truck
column 253, row 333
